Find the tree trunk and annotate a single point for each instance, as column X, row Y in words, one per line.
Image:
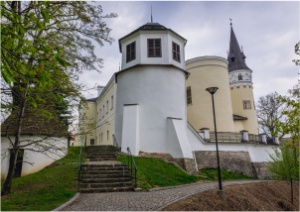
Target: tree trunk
column 12, row 166
column 292, row 191
column 11, row 171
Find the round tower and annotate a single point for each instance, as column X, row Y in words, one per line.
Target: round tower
column 150, row 108
column 208, row 71
column 240, row 79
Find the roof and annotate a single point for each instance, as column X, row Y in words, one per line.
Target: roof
column 236, row 58
column 150, row 27
column 92, row 100
column 237, row 117
column 34, row 123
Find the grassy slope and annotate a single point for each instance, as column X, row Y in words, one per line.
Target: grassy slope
column 157, row 173
column 46, row 189
column 153, row 173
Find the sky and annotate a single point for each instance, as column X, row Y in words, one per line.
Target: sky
column 267, row 31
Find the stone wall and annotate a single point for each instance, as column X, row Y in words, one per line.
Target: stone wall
column 261, row 170
column 233, row 161
column 185, row 164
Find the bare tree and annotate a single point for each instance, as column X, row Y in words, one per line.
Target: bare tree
column 269, row 114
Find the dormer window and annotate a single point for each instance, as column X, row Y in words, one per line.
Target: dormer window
column 154, row 47
column 176, row 52
column 240, row 77
column 130, row 52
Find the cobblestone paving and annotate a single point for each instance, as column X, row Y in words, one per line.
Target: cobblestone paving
column 153, row 200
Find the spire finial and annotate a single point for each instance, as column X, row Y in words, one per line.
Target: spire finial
column 151, row 15
column 230, row 22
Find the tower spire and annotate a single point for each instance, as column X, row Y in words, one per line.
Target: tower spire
column 236, row 58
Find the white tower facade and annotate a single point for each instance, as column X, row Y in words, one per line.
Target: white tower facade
column 151, row 100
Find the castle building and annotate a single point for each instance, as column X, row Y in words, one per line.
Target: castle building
column 157, row 104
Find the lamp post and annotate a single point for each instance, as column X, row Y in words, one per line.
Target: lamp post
column 212, row 91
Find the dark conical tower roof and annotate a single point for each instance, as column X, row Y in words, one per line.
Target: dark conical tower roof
column 236, row 58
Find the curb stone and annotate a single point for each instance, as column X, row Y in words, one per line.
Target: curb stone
column 67, row 203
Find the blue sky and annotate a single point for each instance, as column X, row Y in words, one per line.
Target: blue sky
column 267, row 31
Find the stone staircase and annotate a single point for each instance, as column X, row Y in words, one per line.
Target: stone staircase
column 103, row 173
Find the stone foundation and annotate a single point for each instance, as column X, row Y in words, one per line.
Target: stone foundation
column 233, row 161
column 186, row 164
column 262, row 171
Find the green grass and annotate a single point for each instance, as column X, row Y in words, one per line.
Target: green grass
column 154, row 173
column 47, row 189
column 212, row 174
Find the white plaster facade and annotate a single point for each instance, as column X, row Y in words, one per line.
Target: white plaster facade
column 35, row 156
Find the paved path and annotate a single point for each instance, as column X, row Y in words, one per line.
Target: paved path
column 153, row 200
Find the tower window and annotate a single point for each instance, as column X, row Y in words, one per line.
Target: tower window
column 240, row 77
column 130, row 52
column 154, row 47
column 176, row 51
column 189, row 95
column 247, row 104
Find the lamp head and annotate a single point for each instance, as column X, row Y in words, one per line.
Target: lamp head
column 212, row 90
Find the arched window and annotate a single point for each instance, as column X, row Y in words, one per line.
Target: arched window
column 240, row 77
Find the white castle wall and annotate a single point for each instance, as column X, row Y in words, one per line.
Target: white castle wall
column 159, row 93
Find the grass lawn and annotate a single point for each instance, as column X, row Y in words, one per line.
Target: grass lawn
column 154, row 173
column 47, row 189
column 212, row 174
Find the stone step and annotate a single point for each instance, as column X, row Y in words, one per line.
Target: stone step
column 102, row 154
column 99, row 190
column 106, row 185
column 100, row 159
column 104, row 168
column 105, row 175
column 106, row 181
column 106, row 172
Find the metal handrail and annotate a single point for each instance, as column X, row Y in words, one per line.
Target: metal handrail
column 132, row 165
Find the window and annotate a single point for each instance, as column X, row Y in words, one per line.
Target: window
column 176, row 52
column 92, row 142
column 103, row 110
column 101, row 137
column 246, row 104
column 100, row 113
column 154, row 47
column 107, row 106
column 107, row 135
column 240, row 77
column 130, row 52
column 189, row 95
column 112, row 102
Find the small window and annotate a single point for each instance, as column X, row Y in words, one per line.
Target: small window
column 189, row 95
column 92, row 142
column 107, row 135
column 100, row 113
column 130, row 52
column 246, row 104
column 154, row 47
column 240, row 77
column 107, row 106
column 176, row 52
column 112, row 102
column 101, row 137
